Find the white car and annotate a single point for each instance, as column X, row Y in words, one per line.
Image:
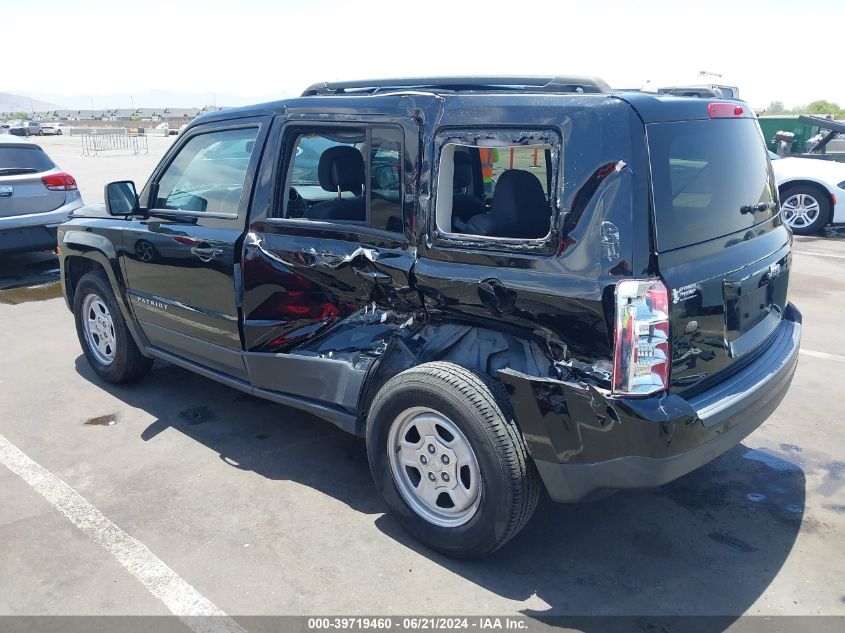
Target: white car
column 812, row 192
column 55, row 128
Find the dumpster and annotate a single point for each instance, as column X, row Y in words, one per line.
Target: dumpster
column 803, row 131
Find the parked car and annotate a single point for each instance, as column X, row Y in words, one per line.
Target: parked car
column 812, row 192
column 26, row 128
column 55, row 129
column 502, row 283
column 35, row 197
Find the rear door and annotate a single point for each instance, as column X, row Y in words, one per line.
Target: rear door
column 327, row 272
column 22, row 191
column 721, row 245
column 182, row 263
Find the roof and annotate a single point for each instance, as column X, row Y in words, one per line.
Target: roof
column 386, row 95
column 547, row 83
column 11, row 139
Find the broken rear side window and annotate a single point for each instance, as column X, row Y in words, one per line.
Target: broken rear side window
column 497, row 185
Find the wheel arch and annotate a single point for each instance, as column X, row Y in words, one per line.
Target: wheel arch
column 83, row 252
column 805, row 182
column 477, row 348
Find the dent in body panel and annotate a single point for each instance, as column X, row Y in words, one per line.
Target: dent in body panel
column 570, row 421
column 297, row 293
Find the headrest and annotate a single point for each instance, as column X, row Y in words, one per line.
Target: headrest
column 518, row 197
column 341, row 167
column 463, row 171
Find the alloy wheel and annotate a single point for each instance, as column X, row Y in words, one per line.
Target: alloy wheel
column 800, row 210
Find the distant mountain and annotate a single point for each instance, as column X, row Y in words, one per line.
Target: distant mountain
column 146, row 99
column 20, row 103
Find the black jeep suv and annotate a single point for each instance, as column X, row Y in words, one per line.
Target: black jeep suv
column 497, row 281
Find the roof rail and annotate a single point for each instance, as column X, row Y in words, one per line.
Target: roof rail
column 563, row 84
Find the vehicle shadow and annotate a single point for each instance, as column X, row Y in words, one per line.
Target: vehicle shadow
column 249, row 433
column 707, row 544
column 29, row 277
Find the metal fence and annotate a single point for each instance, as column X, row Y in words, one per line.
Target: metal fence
column 93, row 144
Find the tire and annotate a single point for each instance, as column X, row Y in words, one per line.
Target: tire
column 806, row 209
column 475, row 411
column 58, row 132
column 117, row 359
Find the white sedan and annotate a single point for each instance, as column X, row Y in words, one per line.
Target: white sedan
column 55, row 128
column 812, row 192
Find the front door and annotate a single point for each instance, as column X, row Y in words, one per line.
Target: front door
column 329, row 273
column 182, row 263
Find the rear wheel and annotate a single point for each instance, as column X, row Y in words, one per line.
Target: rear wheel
column 59, row 132
column 449, row 460
column 805, row 209
column 106, row 342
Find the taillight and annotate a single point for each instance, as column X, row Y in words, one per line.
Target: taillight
column 718, row 110
column 59, row 182
column 641, row 338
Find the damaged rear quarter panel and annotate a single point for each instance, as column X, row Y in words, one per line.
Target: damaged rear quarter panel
column 555, row 288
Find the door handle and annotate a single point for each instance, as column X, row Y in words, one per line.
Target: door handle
column 375, row 276
column 207, row 254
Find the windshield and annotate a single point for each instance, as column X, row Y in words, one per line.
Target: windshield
column 710, row 178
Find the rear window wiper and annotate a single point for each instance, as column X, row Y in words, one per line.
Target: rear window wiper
column 756, row 208
column 14, row 171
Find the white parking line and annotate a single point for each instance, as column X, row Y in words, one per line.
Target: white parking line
column 165, row 584
column 824, row 355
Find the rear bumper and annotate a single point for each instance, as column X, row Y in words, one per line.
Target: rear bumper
column 34, row 231
column 584, row 442
column 33, row 238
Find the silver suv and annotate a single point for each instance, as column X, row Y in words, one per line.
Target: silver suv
column 35, row 196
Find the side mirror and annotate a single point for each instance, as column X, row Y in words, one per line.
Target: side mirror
column 121, row 198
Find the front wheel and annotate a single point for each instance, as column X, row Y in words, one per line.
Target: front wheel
column 59, row 132
column 447, row 456
column 106, row 342
column 805, row 209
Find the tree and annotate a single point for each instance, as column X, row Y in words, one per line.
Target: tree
column 823, row 107
column 776, row 107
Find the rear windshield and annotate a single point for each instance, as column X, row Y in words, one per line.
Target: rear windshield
column 710, row 178
column 27, row 157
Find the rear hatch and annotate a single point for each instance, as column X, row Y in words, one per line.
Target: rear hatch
column 721, row 245
column 22, row 191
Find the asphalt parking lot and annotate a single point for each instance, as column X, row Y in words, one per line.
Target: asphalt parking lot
column 262, row 510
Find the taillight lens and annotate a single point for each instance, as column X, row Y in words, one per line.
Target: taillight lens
column 641, row 338
column 59, row 182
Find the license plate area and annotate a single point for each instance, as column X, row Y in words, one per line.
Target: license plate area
column 755, row 298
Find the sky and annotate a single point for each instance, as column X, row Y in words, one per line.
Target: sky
column 178, row 53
